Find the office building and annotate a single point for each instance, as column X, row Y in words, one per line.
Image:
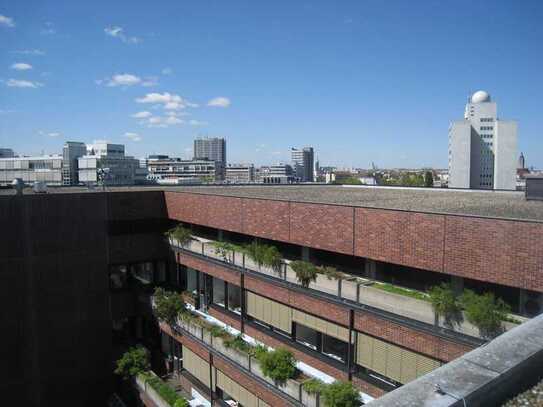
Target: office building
column 303, row 163
column 6, row 153
column 280, row 174
column 46, row 169
column 240, row 173
column 71, row 151
column 119, row 169
column 78, row 269
column 210, row 149
column 175, row 171
column 482, row 147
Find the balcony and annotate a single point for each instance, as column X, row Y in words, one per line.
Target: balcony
column 410, row 304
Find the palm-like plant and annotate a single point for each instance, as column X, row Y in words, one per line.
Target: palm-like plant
column 305, row 272
column 264, row 255
column 181, row 234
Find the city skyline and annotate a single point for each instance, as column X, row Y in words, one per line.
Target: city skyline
column 361, row 83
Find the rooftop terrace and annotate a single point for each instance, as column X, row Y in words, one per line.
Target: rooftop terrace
column 494, row 204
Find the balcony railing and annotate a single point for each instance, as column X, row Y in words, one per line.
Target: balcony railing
column 350, row 288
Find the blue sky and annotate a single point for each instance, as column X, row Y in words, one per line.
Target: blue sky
column 361, row 81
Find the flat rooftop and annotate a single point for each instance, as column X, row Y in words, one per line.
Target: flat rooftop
column 493, row 204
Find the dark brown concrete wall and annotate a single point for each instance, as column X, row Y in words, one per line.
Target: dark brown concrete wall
column 505, row 252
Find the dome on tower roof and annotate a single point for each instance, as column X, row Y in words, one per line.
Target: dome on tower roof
column 480, row 97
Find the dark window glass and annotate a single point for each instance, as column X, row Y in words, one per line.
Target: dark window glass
column 192, row 279
column 234, row 298
column 307, row 336
column 218, row 292
column 334, row 348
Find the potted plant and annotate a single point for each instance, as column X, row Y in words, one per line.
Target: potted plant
column 168, row 305
column 445, row 304
column 181, row 234
column 305, row 272
column 485, row 311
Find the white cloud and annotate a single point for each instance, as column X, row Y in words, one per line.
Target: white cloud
column 49, row 29
column 118, row 32
column 219, row 102
column 20, row 83
column 7, row 21
column 30, row 52
column 197, row 123
column 142, row 115
column 124, row 79
column 133, row 136
column 162, row 121
column 53, row 134
column 168, row 101
column 167, row 71
column 21, row 66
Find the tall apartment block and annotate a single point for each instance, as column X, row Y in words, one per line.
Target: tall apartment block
column 303, row 160
column 78, row 270
column 482, row 147
column 71, row 151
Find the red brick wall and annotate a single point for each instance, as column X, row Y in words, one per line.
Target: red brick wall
column 505, row 252
column 368, row 388
column 186, row 341
column 227, row 318
column 267, row 219
column 409, row 338
column 326, row 227
column 312, row 305
column 212, row 269
column 499, row 251
column 408, row 238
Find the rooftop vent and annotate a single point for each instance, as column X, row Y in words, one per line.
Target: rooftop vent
column 534, row 188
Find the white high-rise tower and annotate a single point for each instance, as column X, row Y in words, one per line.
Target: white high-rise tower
column 482, row 148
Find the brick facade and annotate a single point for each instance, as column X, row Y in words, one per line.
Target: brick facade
column 212, row 269
column 505, row 252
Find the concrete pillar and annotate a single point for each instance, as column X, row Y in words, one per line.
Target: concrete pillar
column 220, row 235
column 534, row 300
column 457, row 284
column 306, row 253
column 370, row 269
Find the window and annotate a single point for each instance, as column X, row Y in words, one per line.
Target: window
column 219, row 292
column 234, row 298
column 192, row 281
column 307, row 336
column 334, row 348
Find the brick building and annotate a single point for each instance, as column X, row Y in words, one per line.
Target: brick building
column 347, row 326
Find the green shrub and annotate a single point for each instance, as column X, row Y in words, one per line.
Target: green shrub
column 219, row 332
column 133, row 362
column 181, row 234
column 237, row 342
column 313, row 386
column 331, row 273
column 394, row 289
column 167, row 393
column 279, row 365
column 445, row 303
column 341, row 394
column 264, row 255
column 224, row 249
column 305, row 272
column 168, row 305
column 485, row 312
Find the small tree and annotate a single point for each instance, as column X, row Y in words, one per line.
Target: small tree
column 445, row 303
column 181, row 234
column 168, row 305
column 428, row 179
column 485, row 312
column 133, row 362
column 313, row 386
column 224, row 250
column 305, row 272
column 279, row 365
column 264, row 255
column 341, row 394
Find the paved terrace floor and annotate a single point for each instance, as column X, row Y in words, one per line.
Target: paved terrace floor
column 494, row 204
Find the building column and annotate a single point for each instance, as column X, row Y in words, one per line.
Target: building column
column 370, row 269
column 533, row 300
column 457, row 284
column 306, row 253
column 220, row 235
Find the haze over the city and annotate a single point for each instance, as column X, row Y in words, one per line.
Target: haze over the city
column 361, row 81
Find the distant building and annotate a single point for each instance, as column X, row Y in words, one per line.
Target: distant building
column 482, row 148
column 279, row 174
column 176, row 171
column 303, row 163
column 261, row 172
column 240, row 173
column 210, row 149
column 46, row 169
column 121, row 169
column 71, row 151
column 6, row 153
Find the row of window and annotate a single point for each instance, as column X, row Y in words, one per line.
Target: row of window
column 487, row 119
column 484, row 128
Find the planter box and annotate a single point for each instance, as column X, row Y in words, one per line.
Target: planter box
column 237, row 356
